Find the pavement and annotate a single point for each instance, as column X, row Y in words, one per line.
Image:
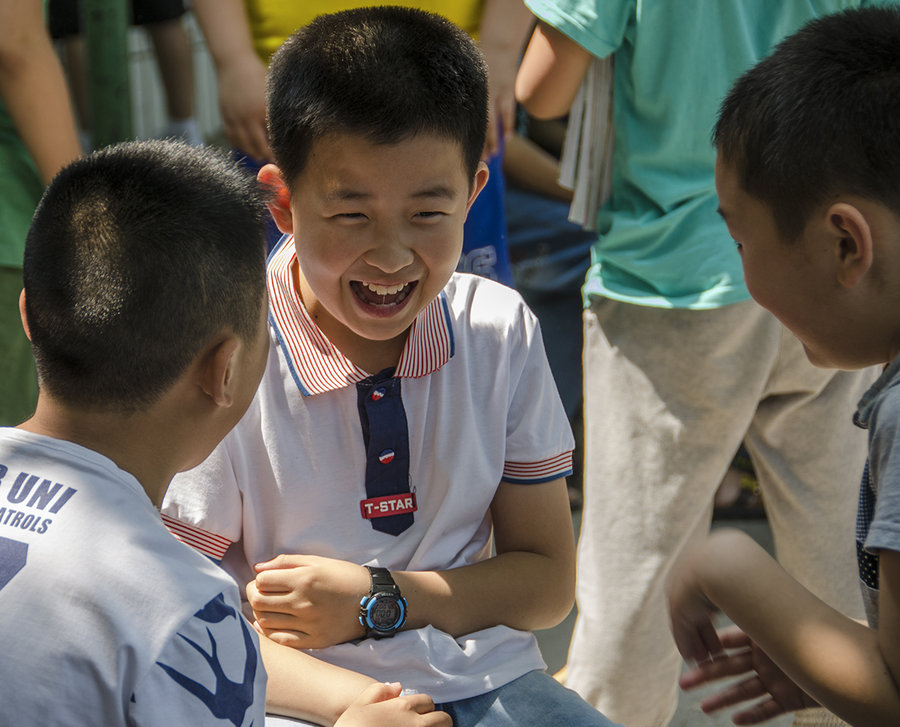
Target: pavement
column 555, row 643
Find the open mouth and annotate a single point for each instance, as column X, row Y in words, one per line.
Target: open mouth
column 382, row 295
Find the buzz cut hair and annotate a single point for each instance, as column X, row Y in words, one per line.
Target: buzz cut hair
column 137, row 256
column 384, row 73
column 819, row 117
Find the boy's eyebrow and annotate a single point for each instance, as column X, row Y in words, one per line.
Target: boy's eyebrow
column 438, row 190
column 343, row 195
column 352, row 195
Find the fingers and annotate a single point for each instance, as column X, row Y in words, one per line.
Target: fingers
column 696, row 638
column 380, row 692
column 282, row 561
column 277, row 621
column 731, row 637
column 758, row 713
column 710, row 670
column 267, row 589
column 710, row 639
column 412, row 709
column 743, row 691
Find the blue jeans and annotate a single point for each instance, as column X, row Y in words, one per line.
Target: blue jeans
column 533, row 699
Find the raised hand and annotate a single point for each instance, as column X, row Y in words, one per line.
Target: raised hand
column 762, row 680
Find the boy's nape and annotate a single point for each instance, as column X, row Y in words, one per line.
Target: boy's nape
column 137, row 257
column 383, row 73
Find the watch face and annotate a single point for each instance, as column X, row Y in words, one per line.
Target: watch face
column 385, row 612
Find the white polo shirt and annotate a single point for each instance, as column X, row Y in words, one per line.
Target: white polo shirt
column 481, row 406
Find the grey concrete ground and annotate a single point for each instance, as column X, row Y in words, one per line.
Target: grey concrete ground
column 555, row 642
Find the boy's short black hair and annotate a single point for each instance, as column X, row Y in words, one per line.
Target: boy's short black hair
column 136, row 257
column 819, row 117
column 385, row 73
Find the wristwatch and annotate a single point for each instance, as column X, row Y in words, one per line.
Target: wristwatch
column 383, row 612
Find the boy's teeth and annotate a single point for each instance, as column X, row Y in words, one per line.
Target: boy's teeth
column 385, row 289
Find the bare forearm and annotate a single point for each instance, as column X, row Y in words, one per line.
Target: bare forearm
column 520, row 590
column 33, row 88
column 529, row 167
column 836, row 660
column 226, row 30
column 528, row 585
column 303, row 687
column 505, row 28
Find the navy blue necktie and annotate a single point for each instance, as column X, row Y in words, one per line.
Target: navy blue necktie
column 386, row 438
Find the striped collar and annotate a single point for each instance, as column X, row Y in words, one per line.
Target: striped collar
column 316, row 365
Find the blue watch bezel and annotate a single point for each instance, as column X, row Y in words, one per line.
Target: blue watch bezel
column 367, row 603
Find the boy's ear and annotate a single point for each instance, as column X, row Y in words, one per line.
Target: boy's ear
column 215, row 373
column 279, row 204
column 23, row 316
column 481, row 178
column 855, row 247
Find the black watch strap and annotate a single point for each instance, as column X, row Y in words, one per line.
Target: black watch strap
column 382, row 581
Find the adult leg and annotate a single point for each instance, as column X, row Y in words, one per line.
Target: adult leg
column 176, row 66
column 809, row 458
column 163, row 21
column 669, row 395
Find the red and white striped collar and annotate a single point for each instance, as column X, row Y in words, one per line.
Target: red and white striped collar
column 316, row 365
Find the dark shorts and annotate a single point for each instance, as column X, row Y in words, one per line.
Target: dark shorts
column 63, row 15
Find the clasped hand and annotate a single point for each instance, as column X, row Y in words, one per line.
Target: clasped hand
column 307, row 601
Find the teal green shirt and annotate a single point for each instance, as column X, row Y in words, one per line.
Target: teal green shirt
column 20, row 190
column 661, row 242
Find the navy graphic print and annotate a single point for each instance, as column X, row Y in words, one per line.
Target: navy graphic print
column 231, row 699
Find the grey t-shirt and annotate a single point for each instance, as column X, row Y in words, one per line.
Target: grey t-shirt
column 878, row 519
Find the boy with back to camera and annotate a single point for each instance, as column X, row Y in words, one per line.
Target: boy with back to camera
column 407, row 418
column 808, row 179
column 145, row 304
column 138, row 379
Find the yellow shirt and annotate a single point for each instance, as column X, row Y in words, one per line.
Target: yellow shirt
column 272, row 21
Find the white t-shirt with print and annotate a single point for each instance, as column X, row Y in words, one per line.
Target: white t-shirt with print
column 107, row 619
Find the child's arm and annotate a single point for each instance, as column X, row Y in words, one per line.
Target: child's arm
column 550, row 73
column 301, row 686
column 849, row 668
column 312, row 602
column 529, row 584
column 380, row 704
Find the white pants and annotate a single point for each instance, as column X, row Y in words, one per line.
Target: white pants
column 669, row 397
